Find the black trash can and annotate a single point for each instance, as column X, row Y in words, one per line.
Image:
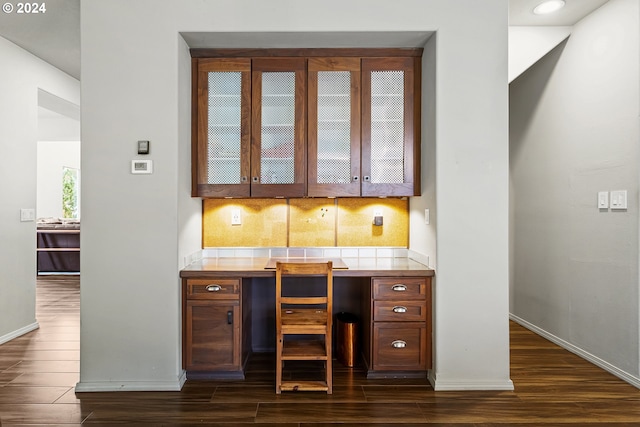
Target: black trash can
column 347, row 338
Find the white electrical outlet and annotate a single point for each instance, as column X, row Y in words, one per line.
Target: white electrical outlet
column 236, row 218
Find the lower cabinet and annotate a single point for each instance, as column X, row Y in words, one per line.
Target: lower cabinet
column 217, row 326
column 398, row 334
column 212, row 328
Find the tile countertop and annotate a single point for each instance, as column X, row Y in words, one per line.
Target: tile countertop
column 255, row 267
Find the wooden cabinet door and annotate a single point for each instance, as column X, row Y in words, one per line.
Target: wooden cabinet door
column 390, row 126
column 333, row 139
column 278, row 145
column 221, row 127
column 212, row 334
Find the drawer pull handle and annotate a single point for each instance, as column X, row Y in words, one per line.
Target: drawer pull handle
column 213, row 288
column 230, row 317
column 399, row 344
column 399, row 288
column 399, row 309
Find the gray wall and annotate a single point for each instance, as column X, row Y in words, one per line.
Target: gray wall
column 21, row 77
column 138, row 229
column 574, row 131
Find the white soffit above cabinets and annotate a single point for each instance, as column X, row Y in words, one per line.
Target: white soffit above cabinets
column 329, row 39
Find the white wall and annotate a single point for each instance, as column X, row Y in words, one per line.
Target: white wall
column 575, row 132
column 52, row 157
column 528, row 44
column 137, row 229
column 21, row 76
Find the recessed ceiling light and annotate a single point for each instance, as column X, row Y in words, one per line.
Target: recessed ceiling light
column 548, row 7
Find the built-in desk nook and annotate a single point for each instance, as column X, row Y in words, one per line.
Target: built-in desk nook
column 228, row 313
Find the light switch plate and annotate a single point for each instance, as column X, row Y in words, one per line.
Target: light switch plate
column 603, row 200
column 619, row 199
column 27, row 215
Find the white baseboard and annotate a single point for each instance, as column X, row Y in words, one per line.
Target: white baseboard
column 105, row 386
column 19, row 332
column 625, row 376
column 470, row 385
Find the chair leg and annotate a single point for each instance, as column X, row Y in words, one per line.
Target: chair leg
column 279, row 365
column 328, row 367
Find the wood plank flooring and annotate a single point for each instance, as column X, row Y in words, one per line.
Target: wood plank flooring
column 553, row 387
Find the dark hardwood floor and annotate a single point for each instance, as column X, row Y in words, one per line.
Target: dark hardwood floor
column 553, row 387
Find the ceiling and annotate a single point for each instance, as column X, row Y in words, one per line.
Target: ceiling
column 54, row 36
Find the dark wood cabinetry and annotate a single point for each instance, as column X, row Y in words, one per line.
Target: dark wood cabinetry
column 218, row 313
column 212, row 326
column 398, row 332
column 221, row 127
column 391, row 126
column 334, row 127
column 279, row 117
column 306, row 122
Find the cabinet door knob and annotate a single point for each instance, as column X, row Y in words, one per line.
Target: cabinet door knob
column 399, row 309
column 399, row 288
column 230, row 317
column 255, row 179
column 213, row 288
column 366, row 178
column 399, row 344
column 355, row 178
column 243, row 179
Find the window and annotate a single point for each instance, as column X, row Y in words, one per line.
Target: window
column 70, row 192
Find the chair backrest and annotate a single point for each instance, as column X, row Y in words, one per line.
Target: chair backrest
column 304, row 269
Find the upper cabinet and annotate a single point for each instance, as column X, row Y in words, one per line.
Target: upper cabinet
column 278, row 137
column 333, row 167
column 306, row 122
column 221, row 127
column 390, row 127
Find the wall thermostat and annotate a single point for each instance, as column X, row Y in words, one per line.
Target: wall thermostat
column 141, row 166
column 143, row 147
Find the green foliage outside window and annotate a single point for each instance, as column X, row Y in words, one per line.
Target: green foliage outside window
column 69, row 193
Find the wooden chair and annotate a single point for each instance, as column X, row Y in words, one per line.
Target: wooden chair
column 303, row 323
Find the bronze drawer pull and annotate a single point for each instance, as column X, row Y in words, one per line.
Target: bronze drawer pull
column 213, row 288
column 399, row 309
column 399, row 288
column 399, row 344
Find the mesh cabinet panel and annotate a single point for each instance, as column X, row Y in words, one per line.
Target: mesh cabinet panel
column 334, row 127
column 387, row 127
column 224, row 142
column 277, row 161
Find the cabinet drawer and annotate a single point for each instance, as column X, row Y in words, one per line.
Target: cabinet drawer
column 399, row 311
column 213, row 288
column 399, row 288
column 400, row 346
